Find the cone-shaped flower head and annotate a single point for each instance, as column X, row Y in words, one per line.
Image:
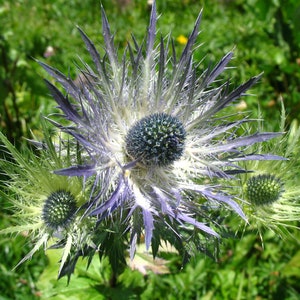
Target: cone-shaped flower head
column 156, row 140
column 44, row 204
column 264, row 189
column 272, row 190
column 153, row 139
column 59, row 209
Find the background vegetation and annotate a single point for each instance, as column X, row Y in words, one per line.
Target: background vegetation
column 266, row 38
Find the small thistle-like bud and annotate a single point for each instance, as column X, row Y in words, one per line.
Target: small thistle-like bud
column 156, row 140
column 59, row 209
column 264, row 189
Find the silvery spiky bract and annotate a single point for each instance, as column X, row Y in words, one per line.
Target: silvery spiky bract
column 154, row 139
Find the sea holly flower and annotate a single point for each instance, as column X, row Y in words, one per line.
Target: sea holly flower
column 264, row 189
column 155, row 138
column 271, row 190
column 44, row 205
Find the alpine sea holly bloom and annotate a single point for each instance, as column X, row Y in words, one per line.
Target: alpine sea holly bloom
column 154, row 138
column 45, row 205
column 272, row 191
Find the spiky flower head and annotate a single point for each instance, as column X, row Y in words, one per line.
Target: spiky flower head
column 272, row 191
column 156, row 140
column 59, row 209
column 154, row 137
column 44, row 205
column 264, row 189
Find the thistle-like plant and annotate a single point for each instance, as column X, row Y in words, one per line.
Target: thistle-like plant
column 45, row 206
column 155, row 138
column 155, row 147
column 271, row 191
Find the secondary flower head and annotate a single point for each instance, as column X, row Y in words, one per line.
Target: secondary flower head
column 44, row 205
column 59, row 209
column 263, row 189
column 272, row 191
column 154, row 137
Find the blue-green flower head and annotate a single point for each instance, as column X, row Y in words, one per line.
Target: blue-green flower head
column 156, row 140
column 272, row 196
column 149, row 127
column 264, row 189
column 45, row 205
column 59, row 209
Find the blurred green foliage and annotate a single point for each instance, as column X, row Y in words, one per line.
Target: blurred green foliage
column 245, row 271
column 266, row 38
